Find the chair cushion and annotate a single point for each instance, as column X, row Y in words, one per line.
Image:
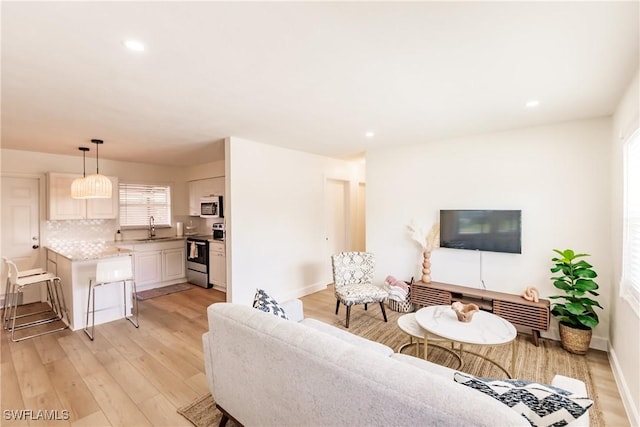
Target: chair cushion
column 540, row 404
column 263, row 302
column 360, row 294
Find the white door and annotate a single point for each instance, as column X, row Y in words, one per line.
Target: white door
column 336, row 203
column 21, row 225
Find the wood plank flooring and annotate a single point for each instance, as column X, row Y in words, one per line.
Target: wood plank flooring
column 139, row 377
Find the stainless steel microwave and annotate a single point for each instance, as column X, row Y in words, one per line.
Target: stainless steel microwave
column 211, row 207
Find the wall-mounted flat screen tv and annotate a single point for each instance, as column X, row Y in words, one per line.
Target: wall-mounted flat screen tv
column 481, row 230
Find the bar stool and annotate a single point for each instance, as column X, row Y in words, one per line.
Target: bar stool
column 112, row 270
column 7, row 288
column 16, row 284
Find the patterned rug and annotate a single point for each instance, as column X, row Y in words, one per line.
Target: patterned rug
column 165, row 290
column 533, row 363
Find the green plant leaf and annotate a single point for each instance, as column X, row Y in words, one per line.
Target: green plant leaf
column 588, row 321
column 575, row 308
column 586, row 285
column 583, row 264
column 585, row 272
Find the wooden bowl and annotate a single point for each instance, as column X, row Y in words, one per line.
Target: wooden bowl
column 464, row 312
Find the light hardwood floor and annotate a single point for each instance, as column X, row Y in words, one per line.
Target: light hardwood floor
column 138, row 377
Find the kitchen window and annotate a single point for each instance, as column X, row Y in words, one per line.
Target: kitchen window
column 138, row 202
column 630, row 286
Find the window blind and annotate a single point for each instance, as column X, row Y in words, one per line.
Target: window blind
column 138, row 202
column 631, row 245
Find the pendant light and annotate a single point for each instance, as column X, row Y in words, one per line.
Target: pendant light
column 98, row 186
column 77, row 186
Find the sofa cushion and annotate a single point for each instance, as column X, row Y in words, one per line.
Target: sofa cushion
column 264, row 302
column 540, row 404
column 441, row 371
column 348, row 337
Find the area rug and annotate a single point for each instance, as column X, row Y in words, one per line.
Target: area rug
column 533, row 363
column 202, row 412
column 165, row 290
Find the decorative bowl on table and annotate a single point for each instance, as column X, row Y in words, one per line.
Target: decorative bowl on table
column 464, row 312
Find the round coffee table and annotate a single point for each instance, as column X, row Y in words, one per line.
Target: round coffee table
column 407, row 323
column 484, row 329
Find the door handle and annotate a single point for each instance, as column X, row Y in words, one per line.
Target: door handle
column 35, row 246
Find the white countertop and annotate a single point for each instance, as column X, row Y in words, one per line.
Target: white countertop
column 84, row 252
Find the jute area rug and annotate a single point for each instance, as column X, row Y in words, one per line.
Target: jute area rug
column 532, row 363
column 165, row 290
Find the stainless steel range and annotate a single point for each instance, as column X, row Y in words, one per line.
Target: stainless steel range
column 198, row 261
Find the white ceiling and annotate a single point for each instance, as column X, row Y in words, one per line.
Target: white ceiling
column 311, row 76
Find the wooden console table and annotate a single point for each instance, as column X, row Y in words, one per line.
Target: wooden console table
column 514, row 308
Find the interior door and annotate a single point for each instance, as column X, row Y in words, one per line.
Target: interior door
column 336, row 203
column 21, row 225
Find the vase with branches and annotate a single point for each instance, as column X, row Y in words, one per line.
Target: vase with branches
column 428, row 241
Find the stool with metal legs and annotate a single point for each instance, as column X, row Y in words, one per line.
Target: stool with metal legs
column 112, row 270
column 16, row 284
column 8, row 295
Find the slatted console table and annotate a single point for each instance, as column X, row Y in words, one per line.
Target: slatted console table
column 514, row 308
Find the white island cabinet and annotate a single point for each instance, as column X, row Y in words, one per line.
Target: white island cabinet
column 75, row 270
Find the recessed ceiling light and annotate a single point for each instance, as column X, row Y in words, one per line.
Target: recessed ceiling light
column 532, row 103
column 370, row 134
column 134, row 45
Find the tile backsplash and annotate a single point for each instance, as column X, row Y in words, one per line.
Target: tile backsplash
column 60, row 234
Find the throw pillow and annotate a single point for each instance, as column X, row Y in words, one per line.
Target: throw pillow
column 541, row 405
column 262, row 301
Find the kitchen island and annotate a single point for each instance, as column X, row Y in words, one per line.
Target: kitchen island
column 75, row 265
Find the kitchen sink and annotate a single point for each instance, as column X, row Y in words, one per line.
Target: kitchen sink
column 154, row 239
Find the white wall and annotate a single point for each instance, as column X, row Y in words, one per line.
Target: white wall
column 275, row 207
column 559, row 176
column 624, row 344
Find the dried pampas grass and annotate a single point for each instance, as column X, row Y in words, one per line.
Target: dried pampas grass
column 427, row 241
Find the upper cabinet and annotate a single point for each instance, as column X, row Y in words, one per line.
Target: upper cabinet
column 202, row 188
column 62, row 206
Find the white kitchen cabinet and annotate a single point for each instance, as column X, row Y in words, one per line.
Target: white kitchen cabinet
column 148, row 267
column 61, row 206
column 173, row 264
column 218, row 266
column 159, row 263
column 202, row 188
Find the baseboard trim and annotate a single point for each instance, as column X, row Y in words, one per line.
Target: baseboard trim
column 160, row 285
column 633, row 412
column 307, row 290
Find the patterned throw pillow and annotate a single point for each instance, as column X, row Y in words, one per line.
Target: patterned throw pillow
column 541, row 405
column 262, row 301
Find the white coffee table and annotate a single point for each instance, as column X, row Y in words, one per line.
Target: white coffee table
column 484, row 329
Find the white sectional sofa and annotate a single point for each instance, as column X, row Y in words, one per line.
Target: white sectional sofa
column 266, row 371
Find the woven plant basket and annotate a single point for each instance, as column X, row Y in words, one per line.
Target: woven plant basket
column 575, row 340
column 405, row 306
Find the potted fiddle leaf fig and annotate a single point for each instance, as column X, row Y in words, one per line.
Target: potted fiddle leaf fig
column 575, row 310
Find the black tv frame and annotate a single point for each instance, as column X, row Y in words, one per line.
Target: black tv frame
column 497, row 230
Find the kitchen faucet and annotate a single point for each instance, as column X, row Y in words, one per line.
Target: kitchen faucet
column 152, row 227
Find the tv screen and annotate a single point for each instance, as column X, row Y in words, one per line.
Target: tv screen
column 482, row 230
